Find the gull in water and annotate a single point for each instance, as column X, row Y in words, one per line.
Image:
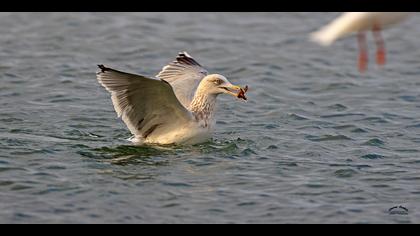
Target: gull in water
column 360, row 22
column 176, row 107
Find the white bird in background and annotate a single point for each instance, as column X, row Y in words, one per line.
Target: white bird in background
column 360, row 22
column 176, row 107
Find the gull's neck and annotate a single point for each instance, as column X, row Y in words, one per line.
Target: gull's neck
column 203, row 106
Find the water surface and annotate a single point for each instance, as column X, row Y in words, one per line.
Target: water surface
column 317, row 142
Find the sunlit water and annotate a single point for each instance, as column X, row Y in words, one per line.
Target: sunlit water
column 316, row 143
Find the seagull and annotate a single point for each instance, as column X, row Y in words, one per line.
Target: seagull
column 360, row 22
column 177, row 106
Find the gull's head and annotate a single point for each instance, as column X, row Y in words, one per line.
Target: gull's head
column 217, row 84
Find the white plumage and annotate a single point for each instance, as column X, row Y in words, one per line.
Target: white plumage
column 353, row 22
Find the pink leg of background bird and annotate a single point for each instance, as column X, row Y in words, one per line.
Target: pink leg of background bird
column 380, row 46
column 363, row 53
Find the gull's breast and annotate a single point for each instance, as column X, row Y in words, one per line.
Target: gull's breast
column 191, row 133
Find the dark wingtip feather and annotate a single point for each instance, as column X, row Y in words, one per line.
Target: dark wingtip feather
column 103, row 68
column 184, row 58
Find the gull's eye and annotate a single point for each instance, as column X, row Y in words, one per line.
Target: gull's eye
column 217, row 81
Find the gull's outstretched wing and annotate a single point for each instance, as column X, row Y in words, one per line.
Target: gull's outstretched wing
column 184, row 74
column 146, row 105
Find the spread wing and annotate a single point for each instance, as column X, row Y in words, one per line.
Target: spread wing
column 145, row 104
column 184, row 74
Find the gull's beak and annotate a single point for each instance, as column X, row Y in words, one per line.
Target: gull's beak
column 235, row 91
column 232, row 89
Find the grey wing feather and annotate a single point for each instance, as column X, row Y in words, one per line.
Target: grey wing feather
column 144, row 104
column 184, row 74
